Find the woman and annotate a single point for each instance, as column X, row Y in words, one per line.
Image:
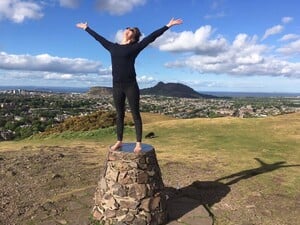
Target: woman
column 123, row 57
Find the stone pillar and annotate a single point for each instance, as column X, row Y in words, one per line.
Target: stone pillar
column 130, row 192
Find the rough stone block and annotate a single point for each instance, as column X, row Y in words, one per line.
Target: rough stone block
column 131, row 189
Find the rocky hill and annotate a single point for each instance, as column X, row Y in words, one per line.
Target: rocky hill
column 173, row 90
column 165, row 89
column 100, row 91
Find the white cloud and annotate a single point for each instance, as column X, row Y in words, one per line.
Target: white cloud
column 286, row 19
column 45, row 62
column 145, row 79
column 243, row 57
column 117, row 7
column 69, row 3
column 19, row 10
column 239, row 67
column 119, row 36
column 58, row 76
column 290, row 48
column 9, row 77
column 49, row 70
column 273, row 30
column 289, row 37
column 198, row 42
column 46, row 69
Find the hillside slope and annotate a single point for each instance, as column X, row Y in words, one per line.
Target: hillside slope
column 240, row 168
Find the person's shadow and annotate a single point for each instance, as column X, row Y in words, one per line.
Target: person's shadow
column 207, row 193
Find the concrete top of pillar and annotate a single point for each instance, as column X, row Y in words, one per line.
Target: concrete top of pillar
column 128, row 148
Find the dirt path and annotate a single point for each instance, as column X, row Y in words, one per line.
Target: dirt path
column 40, row 185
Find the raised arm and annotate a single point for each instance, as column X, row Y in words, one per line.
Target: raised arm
column 104, row 42
column 151, row 37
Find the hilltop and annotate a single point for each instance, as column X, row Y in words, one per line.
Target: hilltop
column 163, row 89
column 173, row 90
column 102, row 91
column 223, row 163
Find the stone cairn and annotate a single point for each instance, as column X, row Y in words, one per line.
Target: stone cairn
column 130, row 192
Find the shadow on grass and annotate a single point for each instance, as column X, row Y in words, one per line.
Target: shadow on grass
column 246, row 174
column 207, row 193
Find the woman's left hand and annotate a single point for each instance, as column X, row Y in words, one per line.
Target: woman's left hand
column 174, row 22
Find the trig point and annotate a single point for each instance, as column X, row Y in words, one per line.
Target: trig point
column 130, row 192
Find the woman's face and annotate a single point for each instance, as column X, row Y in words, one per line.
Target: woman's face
column 128, row 33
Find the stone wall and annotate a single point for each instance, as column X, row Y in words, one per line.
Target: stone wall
column 131, row 189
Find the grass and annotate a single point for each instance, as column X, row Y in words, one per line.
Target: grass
column 233, row 140
column 209, row 149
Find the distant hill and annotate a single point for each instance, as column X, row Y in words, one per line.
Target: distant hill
column 165, row 89
column 100, row 91
column 174, row 90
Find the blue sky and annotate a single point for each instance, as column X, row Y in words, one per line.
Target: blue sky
column 223, row 45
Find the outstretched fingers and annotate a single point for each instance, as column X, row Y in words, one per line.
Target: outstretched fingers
column 82, row 25
column 174, row 22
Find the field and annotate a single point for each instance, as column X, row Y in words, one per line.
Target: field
column 245, row 171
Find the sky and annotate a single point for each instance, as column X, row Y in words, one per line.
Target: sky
column 222, row 45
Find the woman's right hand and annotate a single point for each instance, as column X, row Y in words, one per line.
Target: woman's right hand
column 82, row 25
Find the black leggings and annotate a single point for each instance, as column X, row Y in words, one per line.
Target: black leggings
column 132, row 92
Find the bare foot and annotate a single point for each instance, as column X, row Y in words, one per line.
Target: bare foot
column 116, row 146
column 138, row 147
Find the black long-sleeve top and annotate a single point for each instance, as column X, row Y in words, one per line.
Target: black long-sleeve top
column 123, row 56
